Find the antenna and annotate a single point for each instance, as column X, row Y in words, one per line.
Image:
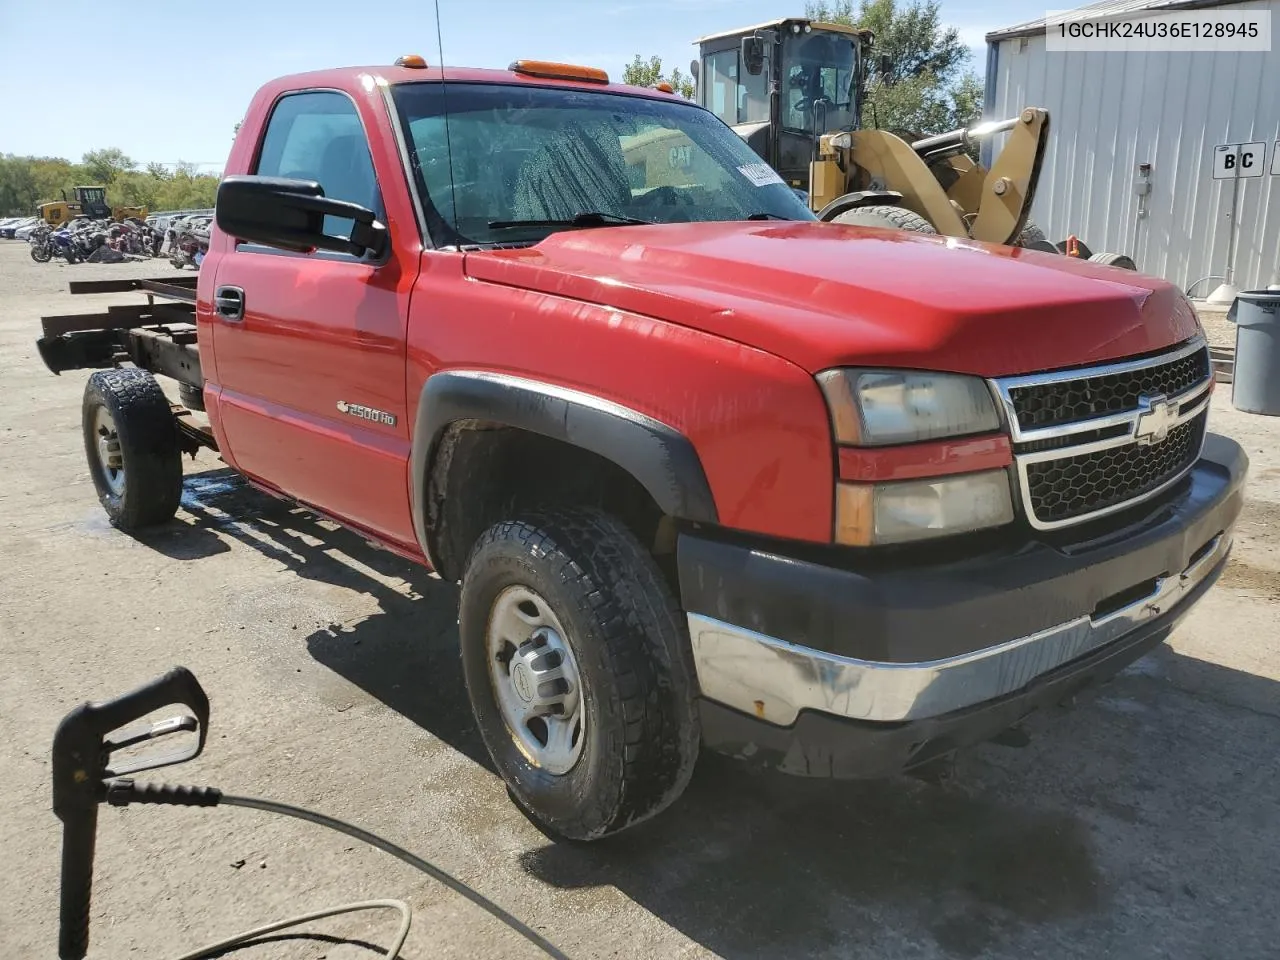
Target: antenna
column 444, row 103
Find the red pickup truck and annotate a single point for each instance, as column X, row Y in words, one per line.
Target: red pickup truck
column 835, row 499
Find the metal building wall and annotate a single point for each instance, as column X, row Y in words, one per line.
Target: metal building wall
column 1111, row 111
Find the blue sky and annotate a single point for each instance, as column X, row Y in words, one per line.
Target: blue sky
column 166, row 80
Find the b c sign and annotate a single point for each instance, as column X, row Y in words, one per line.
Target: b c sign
column 1231, row 160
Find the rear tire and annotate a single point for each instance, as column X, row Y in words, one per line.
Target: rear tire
column 631, row 683
column 1114, row 260
column 131, row 442
column 883, row 215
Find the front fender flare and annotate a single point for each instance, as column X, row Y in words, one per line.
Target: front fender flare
column 859, row 198
column 660, row 458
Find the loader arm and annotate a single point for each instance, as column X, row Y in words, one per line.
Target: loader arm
column 1010, row 184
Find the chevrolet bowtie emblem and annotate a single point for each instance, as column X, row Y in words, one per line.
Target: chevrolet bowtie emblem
column 1156, row 416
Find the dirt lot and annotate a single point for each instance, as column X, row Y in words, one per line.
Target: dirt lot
column 1143, row 823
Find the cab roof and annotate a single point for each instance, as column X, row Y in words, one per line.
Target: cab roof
column 776, row 24
column 389, row 74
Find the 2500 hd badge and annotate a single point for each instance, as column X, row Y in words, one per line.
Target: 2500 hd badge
column 366, row 413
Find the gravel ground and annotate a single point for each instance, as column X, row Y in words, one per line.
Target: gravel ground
column 1145, row 822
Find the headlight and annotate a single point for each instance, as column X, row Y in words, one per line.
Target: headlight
column 880, row 407
column 869, row 514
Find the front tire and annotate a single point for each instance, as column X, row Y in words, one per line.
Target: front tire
column 131, row 442
column 565, row 616
column 880, row 215
column 1033, row 238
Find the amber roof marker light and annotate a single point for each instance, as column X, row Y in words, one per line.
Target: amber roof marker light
column 414, row 60
column 559, row 71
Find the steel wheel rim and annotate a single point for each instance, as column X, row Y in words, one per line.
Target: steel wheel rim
column 535, row 680
column 109, row 456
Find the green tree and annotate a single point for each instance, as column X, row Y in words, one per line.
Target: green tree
column 966, row 100
column 134, row 189
column 26, row 182
column 104, row 166
column 54, row 176
column 927, row 87
column 642, row 73
column 18, row 188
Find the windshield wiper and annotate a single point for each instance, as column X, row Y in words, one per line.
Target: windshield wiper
column 767, row 216
column 592, row 218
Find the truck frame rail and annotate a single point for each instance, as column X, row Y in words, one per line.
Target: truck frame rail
column 158, row 335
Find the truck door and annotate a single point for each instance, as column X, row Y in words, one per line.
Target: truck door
column 312, row 371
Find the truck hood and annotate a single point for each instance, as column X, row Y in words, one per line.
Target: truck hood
column 824, row 295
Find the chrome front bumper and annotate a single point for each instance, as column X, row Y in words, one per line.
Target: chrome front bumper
column 773, row 680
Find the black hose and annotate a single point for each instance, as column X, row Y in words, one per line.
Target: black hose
column 430, row 869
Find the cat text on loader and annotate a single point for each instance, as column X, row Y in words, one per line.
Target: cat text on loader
column 794, row 89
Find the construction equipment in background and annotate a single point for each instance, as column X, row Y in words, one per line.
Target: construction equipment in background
column 88, row 202
column 794, row 90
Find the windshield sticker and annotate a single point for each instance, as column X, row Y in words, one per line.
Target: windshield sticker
column 761, row 174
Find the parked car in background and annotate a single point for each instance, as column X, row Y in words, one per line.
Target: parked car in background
column 9, row 228
column 24, row 232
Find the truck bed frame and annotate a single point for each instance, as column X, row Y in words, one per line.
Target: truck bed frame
column 158, row 336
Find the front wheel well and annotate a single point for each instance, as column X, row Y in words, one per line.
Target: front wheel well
column 483, row 472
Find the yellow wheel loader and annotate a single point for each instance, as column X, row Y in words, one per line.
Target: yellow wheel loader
column 87, row 202
column 794, row 90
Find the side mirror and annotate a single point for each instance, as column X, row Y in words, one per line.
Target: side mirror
column 885, row 64
column 753, row 55
column 289, row 214
column 694, row 68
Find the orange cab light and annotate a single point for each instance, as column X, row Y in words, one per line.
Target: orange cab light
column 664, row 87
column 411, row 60
column 559, row 71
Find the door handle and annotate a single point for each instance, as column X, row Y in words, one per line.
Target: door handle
column 228, row 302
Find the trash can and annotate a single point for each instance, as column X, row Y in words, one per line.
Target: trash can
column 1255, row 383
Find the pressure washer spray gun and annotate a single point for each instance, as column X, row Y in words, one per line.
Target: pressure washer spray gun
column 85, row 775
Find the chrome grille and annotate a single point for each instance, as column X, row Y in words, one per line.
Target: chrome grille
column 1083, row 484
column 1051, row 404
column 1089, row 442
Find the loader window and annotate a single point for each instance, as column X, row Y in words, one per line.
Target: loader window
column 819, row 68
column 516, row 152
column 731, row 93
column 318, row 136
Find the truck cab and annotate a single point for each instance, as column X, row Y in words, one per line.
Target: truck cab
column 838, row 500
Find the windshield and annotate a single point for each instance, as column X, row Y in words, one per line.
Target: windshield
column 819, row 67
column 521, row 153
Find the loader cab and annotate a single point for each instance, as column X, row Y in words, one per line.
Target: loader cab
column 781, row 85
column 93, row 202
